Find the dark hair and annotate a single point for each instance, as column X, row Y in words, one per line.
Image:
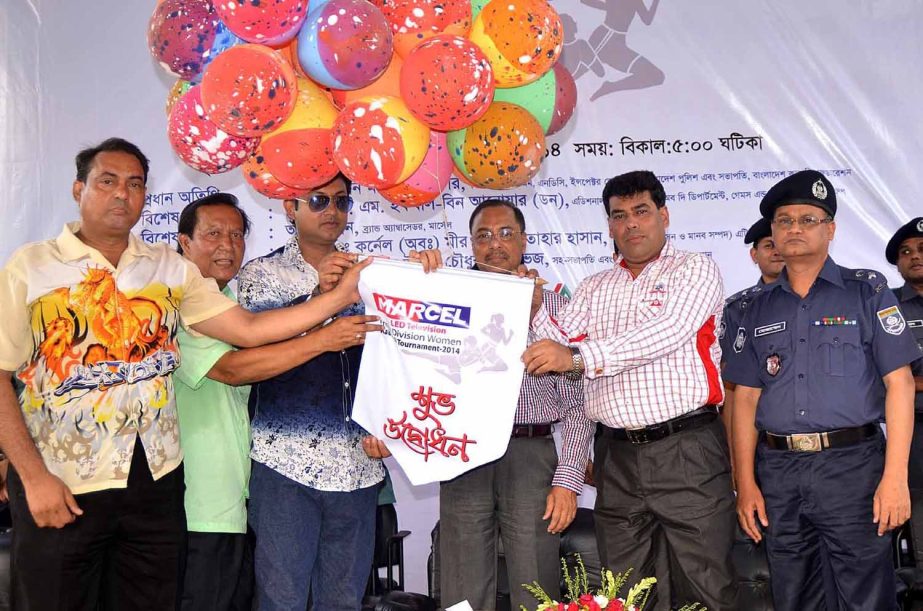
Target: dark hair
column 496, row 202
column 85, row 157
column 632, row 183
column 189, row 217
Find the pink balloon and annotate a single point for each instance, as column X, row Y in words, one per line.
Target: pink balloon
column 180, row 35
column 201, row 144
column 268, row 22
column 430, row 179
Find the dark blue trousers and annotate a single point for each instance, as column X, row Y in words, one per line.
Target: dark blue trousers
column 819, row 507
column 310, row 540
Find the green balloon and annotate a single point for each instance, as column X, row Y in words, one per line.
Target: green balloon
column 476, row 7
column 455, row 140
column 537, row 97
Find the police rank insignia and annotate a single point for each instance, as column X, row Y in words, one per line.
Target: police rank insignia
column 740, row 340
column 773, row 364
column 892, row 321
column 819, row 190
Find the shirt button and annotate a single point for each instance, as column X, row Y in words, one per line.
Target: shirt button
column 801, row 413
column 800, row 376
column 346, row 384
column 804, row 306
column 801, row 340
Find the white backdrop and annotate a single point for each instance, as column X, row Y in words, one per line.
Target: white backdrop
column 825, row 84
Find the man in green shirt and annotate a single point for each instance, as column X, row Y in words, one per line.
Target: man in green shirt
column 212, row 388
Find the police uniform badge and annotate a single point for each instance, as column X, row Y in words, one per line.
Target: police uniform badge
column 892, row 321
column 773, row 364
column 819, row 190
column 920, row 225
column 740, row 340
column 722, row 328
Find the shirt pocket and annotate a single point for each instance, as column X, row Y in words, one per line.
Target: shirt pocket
column 838, row 350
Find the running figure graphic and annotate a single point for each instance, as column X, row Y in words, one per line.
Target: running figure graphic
column 608, row 46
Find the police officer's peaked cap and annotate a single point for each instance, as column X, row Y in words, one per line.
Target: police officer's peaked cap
column 913, row 229
column 759, row 230
column 804, row 187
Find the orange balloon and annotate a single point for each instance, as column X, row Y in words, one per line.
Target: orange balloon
column 501, row 150
column 261, row 179
column 249, row 90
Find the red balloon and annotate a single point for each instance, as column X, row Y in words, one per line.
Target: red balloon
column 413, row 21
column 272, row 22
column 565, row 99
column 201, row 144
column 180, row 35
column 447, row 82
column 301, row 157
column 249, row 90
column 261, row 179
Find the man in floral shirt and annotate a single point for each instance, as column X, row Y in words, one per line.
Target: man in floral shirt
column 313, row 490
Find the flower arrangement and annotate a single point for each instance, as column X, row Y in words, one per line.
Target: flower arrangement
column 606, row 598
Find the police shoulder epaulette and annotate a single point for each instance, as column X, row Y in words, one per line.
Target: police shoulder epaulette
column 749, row 292
column 874, row 279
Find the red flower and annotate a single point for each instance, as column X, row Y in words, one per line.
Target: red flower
column 589, row 602
column 615, row 605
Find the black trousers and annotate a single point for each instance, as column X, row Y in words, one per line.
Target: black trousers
column 122, row 554
column 666, row 509
column 218, row 572
column 915, row 477
column 819, row 507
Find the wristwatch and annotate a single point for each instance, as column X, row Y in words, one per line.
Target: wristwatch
column 577, row 367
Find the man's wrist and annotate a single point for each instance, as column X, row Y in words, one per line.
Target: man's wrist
column 577, row 365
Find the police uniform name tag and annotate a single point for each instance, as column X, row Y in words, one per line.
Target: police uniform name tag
column 915, row 324
column 892, row 321
column 775, row 327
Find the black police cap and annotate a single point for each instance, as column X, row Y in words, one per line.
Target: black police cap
column 759, row 230
column 913, row 229
column 804, row 187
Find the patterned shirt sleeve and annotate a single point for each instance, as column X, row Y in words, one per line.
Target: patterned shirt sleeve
column 677, row 322
column 15, row 330
column 251, row 290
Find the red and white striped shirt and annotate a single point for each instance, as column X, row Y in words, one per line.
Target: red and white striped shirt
column 649, row 343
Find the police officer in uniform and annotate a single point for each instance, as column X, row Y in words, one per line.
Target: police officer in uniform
column 822, row 355
column 764, row 254
column 905, row 250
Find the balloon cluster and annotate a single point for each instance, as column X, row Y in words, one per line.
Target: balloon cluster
column 396, row 94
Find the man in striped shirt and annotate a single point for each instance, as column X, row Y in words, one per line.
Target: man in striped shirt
column 530, row 493
column 644, row 336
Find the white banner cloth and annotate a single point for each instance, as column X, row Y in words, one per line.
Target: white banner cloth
column 440, row 383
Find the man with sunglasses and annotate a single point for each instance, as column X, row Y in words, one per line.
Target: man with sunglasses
column 529, row 494
column 821, row 357
column 313, row 490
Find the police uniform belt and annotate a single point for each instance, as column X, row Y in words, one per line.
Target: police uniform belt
column 531, row 430
column 815, row 442
column 655, row 432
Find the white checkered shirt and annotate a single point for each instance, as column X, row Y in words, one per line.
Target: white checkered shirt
column 649, row 343
column 558, row 398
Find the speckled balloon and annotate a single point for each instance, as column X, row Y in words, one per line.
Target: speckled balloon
column 267, row 22
column 413, row 21
column 389, row 83
column 201, row 144
column 476, row 7
column 180, row 35
column 249, row 90
column 300, row 153
column 430, row 179
column 345, row 44
column 501, row 150
column 521, row 38
column 447, row 82
column 551, row 99
column 176, row 92
column 224, row 40
column 377, row 142
column 263, row 182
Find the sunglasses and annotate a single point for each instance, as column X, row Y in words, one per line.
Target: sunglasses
column 318, row 202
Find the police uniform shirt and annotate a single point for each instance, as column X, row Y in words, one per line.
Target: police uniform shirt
column 734, row 309
column 820, row 360
column 911, row 304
